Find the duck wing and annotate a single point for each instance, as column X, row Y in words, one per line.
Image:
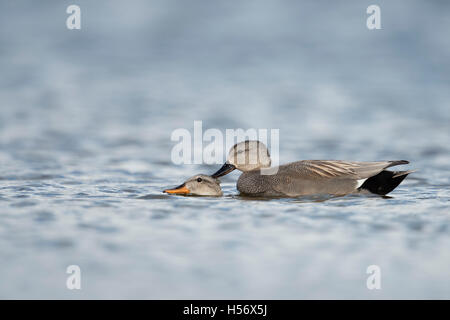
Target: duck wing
column 323, row 176
column 336, row 169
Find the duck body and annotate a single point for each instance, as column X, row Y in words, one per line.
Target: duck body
column 334, row 177
column 307, row 177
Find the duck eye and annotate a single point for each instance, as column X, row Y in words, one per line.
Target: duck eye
column 199, row 180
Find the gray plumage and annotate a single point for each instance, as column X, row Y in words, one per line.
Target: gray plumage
column 309, row 177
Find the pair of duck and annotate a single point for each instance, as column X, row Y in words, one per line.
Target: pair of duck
column 300, row 178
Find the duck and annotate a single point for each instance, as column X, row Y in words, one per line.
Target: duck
column 199, row 185
column 307, row 177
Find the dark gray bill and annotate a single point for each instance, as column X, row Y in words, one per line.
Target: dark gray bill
column 226, row 168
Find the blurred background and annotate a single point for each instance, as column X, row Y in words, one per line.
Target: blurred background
column 86, row 118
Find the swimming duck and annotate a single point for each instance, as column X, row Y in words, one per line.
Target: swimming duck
column 307, row 177
column 200, row 185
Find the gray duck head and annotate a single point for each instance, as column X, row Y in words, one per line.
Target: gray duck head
column 245, row 156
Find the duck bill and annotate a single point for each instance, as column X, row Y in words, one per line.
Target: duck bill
column 226, row 168
column 178, row 190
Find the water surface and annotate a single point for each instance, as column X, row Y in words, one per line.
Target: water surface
column 85, row 123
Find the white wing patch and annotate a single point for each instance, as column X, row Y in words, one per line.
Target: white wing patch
column 359, row 183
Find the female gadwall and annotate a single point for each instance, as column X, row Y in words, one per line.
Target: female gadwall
column 307, row 177
column 200, row 185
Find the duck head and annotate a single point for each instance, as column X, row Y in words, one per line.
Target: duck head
column 245, row 156
column 200, row 185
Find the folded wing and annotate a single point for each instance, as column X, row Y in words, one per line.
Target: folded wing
column 336, row 169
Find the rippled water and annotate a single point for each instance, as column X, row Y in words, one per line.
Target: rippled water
column 85, row 123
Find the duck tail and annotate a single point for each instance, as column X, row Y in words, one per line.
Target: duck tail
column 384, row 182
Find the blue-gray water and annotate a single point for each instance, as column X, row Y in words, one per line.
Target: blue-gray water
column 85, row 123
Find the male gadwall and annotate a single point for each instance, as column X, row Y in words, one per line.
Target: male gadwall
column 200, row 185
column 307, row 177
